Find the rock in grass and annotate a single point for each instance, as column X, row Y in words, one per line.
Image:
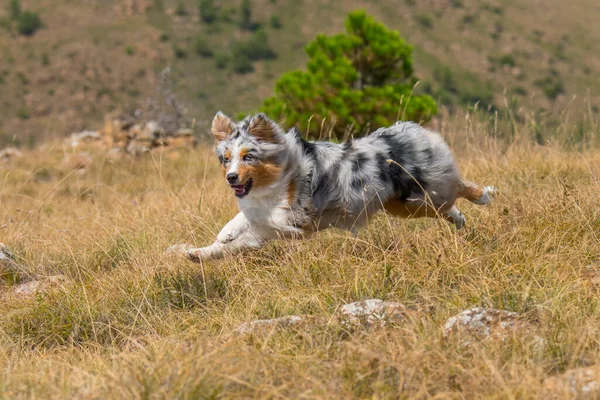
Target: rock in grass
column 9, row 153
column 10, row 271
column 8, row 265
column 370, row 313
column 78, row 139
column 283, row 322
column 579, row 383
column 5, row 254
column 484, row 323
column 38, row 286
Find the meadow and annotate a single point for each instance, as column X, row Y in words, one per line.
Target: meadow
column 125, row 320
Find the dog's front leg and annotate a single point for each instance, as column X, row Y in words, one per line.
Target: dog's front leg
column 236, row 236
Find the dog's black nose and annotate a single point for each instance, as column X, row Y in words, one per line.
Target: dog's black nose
column 232, row 178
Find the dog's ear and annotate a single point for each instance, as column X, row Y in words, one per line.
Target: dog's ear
column 263, row 129
column 222, row 126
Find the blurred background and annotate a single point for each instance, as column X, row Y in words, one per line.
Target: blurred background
column 65, row 64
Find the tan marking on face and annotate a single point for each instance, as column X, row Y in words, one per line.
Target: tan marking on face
column 263, row 174
column 221, row 127
column 262, row 129
column 243, row 153
column 223, row 168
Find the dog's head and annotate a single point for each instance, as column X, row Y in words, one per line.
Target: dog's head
column 252, row 153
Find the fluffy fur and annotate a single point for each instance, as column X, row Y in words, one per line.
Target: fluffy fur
column 288, row 187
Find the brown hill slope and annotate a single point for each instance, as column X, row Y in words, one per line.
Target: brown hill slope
column 92, row 57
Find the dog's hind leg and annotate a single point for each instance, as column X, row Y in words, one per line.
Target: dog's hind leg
column 476, row 194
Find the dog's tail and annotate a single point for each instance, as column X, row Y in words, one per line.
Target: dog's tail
column 475, row 193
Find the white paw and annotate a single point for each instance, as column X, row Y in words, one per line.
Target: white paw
column 490, row 190
column 180, row 249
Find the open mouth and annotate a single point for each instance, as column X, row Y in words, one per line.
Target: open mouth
column 242, row 190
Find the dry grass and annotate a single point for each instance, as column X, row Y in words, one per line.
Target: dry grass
column 129, row 322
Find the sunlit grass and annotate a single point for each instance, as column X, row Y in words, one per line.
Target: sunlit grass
column 130, row 322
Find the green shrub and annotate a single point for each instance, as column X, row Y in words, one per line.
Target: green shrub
column 45, row 59
column 507, row 59
column 208, row 11
column 179, row 52
column 445, row 79
column 468, row 19
column 424, row 20
column 22, row 113
column 164, row 37
column 14, row 9
column 246, row 16
column 519, row 91
column 129, row 50
column 241, row 64
column 552, row 86
column 6, row 24
column 180, row 9
column 158, row 5
column 221, row 60
column 28, row 22
column 477, row 93
column 255, row 48
column 23, row 78
column 498, row 30
column 202, row 47
column 276, row 22
column 362, row 79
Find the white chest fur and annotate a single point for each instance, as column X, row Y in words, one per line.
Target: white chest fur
column 270, row 216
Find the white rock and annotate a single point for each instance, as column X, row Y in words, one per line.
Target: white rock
column 33, row 287
column 484, row 323
column 152, row 130
column 5, row 254
column 137, row 147
column 283, row 322
column 9, row 153
column 78, row 138
column 579, row 383
column 370, row 313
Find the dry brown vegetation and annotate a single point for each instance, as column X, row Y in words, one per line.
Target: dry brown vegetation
column 126, row 321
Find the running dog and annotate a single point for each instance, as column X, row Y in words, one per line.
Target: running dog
column 287, row 187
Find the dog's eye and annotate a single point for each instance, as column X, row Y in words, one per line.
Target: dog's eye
column 225, row 160
column 249, row 158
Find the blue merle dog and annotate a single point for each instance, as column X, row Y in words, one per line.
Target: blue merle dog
column 288, row 187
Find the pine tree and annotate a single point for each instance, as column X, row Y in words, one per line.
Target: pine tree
column 355, row 82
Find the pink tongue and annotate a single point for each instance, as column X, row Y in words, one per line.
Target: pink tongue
column 239, row 189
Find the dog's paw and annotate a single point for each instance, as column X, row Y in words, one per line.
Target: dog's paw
column 491, row 190
column 193, row 255
column 488, row 192
column 181, row 249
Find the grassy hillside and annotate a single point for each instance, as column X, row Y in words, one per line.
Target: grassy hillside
column 121, row 320
column 91, row 57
